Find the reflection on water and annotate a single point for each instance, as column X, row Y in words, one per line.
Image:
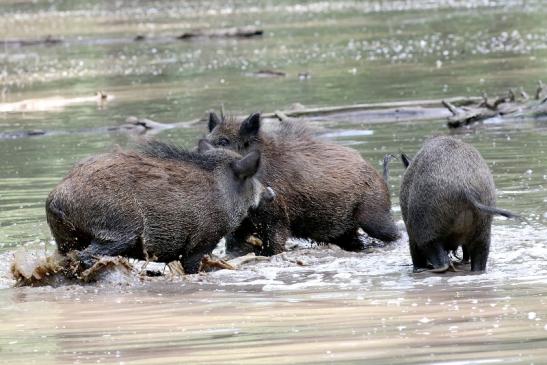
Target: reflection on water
column 311, row 304
column 456, row 324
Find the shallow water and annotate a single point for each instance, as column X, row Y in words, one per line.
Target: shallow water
column 334, row 306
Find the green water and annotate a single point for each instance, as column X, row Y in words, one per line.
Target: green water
column 355, row 52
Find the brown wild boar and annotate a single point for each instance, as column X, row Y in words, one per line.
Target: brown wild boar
column 325, row 192
column 447, row 200
column 158, row 202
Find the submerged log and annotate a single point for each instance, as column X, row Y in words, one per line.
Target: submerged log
column 55, row 103
column 243, row 32
column 459, row 111
column 132, row 125
column 267, row 74
column 47, row 40
column 505, row 106
column 208, row 263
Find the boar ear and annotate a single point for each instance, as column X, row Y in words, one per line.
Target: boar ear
column 250, row 126
column 214, row 120
column 247, row 166
column 204, row 146
column 406, row 160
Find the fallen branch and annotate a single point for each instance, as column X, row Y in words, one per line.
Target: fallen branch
column 47, row 40
column 467, row 115
column 208, row 263
column 508, row 105
column 244, row 32
column 241, row 32
column 306, row 112
column 459, row 111
column 132, row 125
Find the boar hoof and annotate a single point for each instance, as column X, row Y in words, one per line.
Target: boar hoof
column 439, row 270
column 446, row 267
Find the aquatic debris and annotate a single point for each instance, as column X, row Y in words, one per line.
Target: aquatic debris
column 243, row 32
column 176, row 269
column 32, row 269
column 54, row 103
column 508, row 105
column 47, row 40
column 267, row 73
column 208, row 263
column 460, row 111
column 247, row 259
column 304, row 76
column 390, row 111
column 132, row 125
column 103, row 264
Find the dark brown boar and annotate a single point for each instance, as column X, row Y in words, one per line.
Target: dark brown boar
column 447, row 200
column 325, row 192
column 158, row 202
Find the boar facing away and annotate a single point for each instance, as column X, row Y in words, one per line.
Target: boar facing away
column 158, row 202
column 325, row 192
column 447, row 200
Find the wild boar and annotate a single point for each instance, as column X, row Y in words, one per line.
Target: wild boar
column 157, row 202
column 325, row 191
column 447, row 200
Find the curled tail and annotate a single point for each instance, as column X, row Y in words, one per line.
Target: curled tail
column 492, row 210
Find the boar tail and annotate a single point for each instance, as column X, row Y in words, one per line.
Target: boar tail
column 387, row 159
column 492, row 210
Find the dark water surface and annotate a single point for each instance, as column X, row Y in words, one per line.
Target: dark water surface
column 337, row 307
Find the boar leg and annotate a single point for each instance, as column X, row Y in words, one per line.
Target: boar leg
column 419, row 259
column 437, row 256
column 349, row 242
column 479, row 250
column 99, row 248
column 192, row 261
column 465, row 258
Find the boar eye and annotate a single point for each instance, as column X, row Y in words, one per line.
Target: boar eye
column 223, row 142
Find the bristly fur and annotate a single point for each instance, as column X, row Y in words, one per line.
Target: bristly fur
column 168, row 151
column 310, row 176
column 297, row 130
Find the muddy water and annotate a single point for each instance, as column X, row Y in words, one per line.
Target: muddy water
column 312, row 304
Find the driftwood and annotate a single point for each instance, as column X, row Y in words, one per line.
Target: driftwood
column 266, row 74
column 243, row 32
column 47, row 40
column 506, row 106
column 32, row 269
column 459, row 111
column 377, row 112
column 55, row 103
column 208, row 263
column 132, row 125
